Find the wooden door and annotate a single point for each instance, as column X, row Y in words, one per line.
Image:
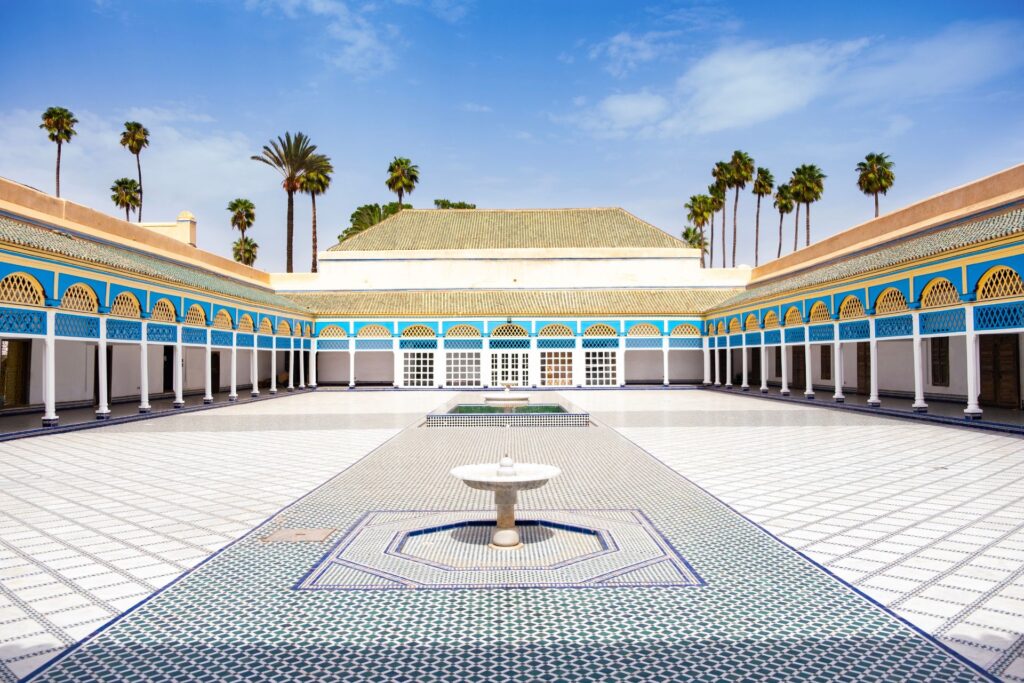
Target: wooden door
column 1000, row 370
column 15, row 361
column 864, row 368
column 755, row 366
column 799, row 373
column 215, row 371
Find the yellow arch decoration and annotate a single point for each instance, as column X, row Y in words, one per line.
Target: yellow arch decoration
column 266, row 327
column 771, row 320
column 374, row 331
column 126, row 305
column 245, row 323
column 510, row 330
column 1001, row 282
column 418, row 331
column 222, row 321
column 463, row 331
column 196, row 316
column 751, row 322
column 80, row 297
column 685, row 330
column 794, row 317
column 23, row 289
column 820, row 313
column 332, row 332
column 163, row 312
column 939, row 292
column 600, row 330
column 283, row 328
column 721, row 327
column 555, row 330
column 890, row 300
column 734, row 325
column 851, row 308
column 643, row 330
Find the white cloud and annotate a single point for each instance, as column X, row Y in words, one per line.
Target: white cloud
column 475, row 108
column 625, row 51
column 619, row 114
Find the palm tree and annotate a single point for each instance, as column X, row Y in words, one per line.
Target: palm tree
column 244, row 250
column 243, row 214
column 694, row 238
column 59, row 123
column 369, row 215
column 699, row 212
column 313, row 182
column 808, row 185
column 134, row 138
column 402, row 177
column 126, row 195
column 784, row 203
column 722, row 173
column 742, row 166
column 875, row 175
column 763, row 183
column 291, row 156
column 717, row 194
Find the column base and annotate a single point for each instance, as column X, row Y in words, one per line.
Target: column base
column 273, row 391
column 233, row 398
column 809, row 396
column 839, row 399
column 718, row 384
column 784, row 392
column 920, row 409
column 311, row 387
column 291, row 389
column 102, row 416
column 254, row 394
column 728, row 386
column 351, row 386
column 747, row 388
column 50, row 421
column 145, row 409
column 207, row 401
column 179, row 404
column 971, row 414
column 764, row 390
column 875, row 404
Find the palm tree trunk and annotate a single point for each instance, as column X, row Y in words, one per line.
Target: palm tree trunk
column 711, row 248
column 312, row 196
column 724, row 242
column 757, row 228
column 876, row 205
column 808, row 217
column 400, row 193
column 796, row 228
column 703, row 243
column 138, row 165
column 778, row 254
column 126, row 216
column 290, row 231
column 58, row 168
column 735, row 210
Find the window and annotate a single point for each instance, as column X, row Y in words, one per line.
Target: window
column 419, row 369
column 462, row 368
column 940, row 361
column 778, row 362
column 510, row 367
column 556, row 368
column 826, row 361
column 600, row 369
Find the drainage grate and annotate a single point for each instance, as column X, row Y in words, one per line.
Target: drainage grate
column 299, row 535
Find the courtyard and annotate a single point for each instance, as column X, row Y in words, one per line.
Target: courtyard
column 739, row 538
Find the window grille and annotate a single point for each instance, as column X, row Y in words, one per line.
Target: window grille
column 643, row 330
column 245, row 323
column 721, row 328
column 462, row 368
column 890, row 301
column 819, row 313
column 509, row 330
column 222, row 321
column 734, row 325
column 418, row 368
column 556, row 368
column 418, row 331
column 851, row 308
column 163, row 312
column 555, row 330
column 771, row 321
column 1000, row 283
column 18, row 288
column 284, row 329
column 600, row 330
column 463, row 330
column 794, row 317
column 79, row 297
column 126, row 306
column 939, row 292
column 601, row 370
column 751, row 322
column 373, row 331
column 266, row 327
column 332, row 332
column 196, row 316
column 685, row 330
column 940, row 361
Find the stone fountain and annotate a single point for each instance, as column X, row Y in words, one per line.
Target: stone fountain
column 506, row 479
column 507, row 398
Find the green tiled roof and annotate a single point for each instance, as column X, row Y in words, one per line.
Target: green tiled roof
column 73, row 246
column 517, row 302
column 912, row 249
column 438, row 229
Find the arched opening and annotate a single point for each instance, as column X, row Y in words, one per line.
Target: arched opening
column 266, row 327
column 890, row 300
column 22, row 289
column 938, row 293
column 163, row 312
column 79, row 297
column 284, row 329
column 332, row 332
column 819, row 313
column 771, row 320
column 509, row 330
column 751, row 322
column 643, row 330
column 794, row 316
column 125, row 305
column 196, row 316
column 734, row 326
column 1001, row 282
column 418, row 332
column 245, row 323
column 851, row 308
column 223, row 321
column 555, row 330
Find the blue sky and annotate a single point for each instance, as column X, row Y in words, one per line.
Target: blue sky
column 543, row 103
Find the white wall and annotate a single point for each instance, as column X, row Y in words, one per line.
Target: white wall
column 332, row 367
column 686, row 365
column 74, row 362
column 375, row 366
column 644, row 366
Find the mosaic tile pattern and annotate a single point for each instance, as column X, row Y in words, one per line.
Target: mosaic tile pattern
column 926, row 519
column 92, row 522
column 765, row 611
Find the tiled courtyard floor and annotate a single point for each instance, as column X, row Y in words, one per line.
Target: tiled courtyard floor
column 926, row 519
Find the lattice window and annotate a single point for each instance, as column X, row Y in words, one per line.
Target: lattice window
column 735, row 326
column 600, row 330
column 556, row 368
column 19, row 288
column 245, row 323
column 771, row 321
column 462, row 368
column 751, row 322
column 418, row 331
column 284, row 329
column 721, row 327
column 851, row 308
column 373, row 331
column 1000, row 283
column 418, row 368
column 509, row 330
column 266, row 327
column 196, row 316
column 644, row 330
column 555, row 330
column 332, row 332
column 685, row 330
column 890, row 301
column 794, row 317
column 463, row 331
column 222, row 321
column 510, row 367
column 939, row 292
column 601, row 369
column 126, row 306
column 79, row 297
column 819, row 313
column 163, row 312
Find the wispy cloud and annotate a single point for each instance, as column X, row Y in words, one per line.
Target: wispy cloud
column 625, row 51
column 475, row 108
column 620, row 114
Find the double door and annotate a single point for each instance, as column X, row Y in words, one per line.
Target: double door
column 510, row 367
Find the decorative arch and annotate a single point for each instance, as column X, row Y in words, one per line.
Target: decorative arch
column 1000, row 282
column 643, row 330
column 771, row 320
column 163, row 312
column 685, row 330
column 751, row 322
column 373, row 331
column 600, row 330
column 126, row 305
column 794, row 316
column 850, row 308
column 418, row 331
column 223, row 321
column 819, row 313
column 196, row 316
column 245, row 323
column 266, row 327
column 721, row 327
column 284, row 329
column 80, row 297
column 711, row 328
column 890, row 300
column 735, row 326
column 555, row 330
column 463, row 330
column 307, row 330
column 332, row 332
column 510, row 330
column 23, row 289
column 939, row 292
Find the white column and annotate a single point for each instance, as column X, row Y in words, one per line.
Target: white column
column 534, row 357
column 351, row 363
column 291, row 365
column 103, row 408
column 919, row 405
column 254, row 369
column 620, row 362
column 837, row 364
column 873, row 400
column 706, row 349
column 664, row 361
column 208, row 380
column 808, row 365
column 973, row 410
column 233, row 393
column 179, row 359
column 764, row 366
column 50, row 418
column 718, row 356
column 728, row 364
column 579, row 364
column 144, row 406
column 302, row 361
column 312, row 363
column 784, row 357
column 396, row 353
column 745, row 385
column 273, row 365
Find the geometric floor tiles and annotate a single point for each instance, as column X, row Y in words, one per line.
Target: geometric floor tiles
column 92, row 522
column 926, row 519
column 763, row 612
